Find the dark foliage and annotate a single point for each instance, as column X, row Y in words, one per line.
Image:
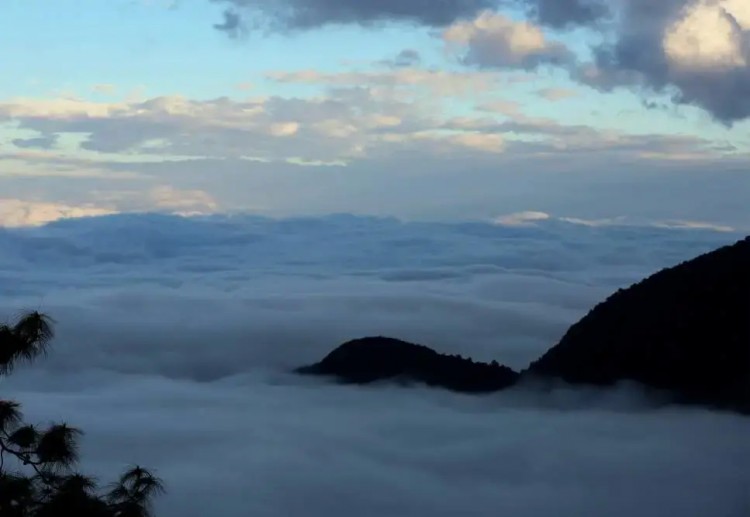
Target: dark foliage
column 377, row 358
column 37, row 476
column 685, row 329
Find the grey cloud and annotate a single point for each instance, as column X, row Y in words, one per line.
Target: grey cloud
column 180, row 331
column 558, row 170
column 307, row 14
column 231, row 24
column 640, row 181
column 635, row 59
column 272, row 447
column 46, row 141
column 563, row 13
column 557, row 94
column 491, row 54
column 639, row 59
column 406, row 58
column 275, row 128
column 359, row 275
column 496, row 41
column 636, row 56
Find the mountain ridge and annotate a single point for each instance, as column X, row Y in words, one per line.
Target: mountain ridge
column 684, row 330
column 370, row 359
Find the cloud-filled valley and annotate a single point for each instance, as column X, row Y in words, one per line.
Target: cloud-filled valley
column 205, row 195
column 176, row 336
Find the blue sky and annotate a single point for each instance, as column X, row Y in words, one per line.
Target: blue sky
column 145, row 105
column 166, row 48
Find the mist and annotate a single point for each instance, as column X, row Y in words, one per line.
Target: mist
column 176, row 337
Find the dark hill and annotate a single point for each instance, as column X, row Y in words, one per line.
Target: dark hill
column 379, row 358
column 685, row 329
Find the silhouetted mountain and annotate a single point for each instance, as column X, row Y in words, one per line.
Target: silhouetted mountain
column 378, row 358
column 685, row 329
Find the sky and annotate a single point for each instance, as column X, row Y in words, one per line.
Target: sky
column 472, row 175
column 595, row 110
column 176, row 337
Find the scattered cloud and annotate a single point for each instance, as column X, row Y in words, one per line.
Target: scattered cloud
column 386, row 110
column 698, row 51
column 57, row 108
column 356, row 115
column 161, row 198
column 494, row 40
column 557, row 94
column 435, row 82
column 104, row 89
column 405, row 59
column 19, row 213
column 695, row 51
column 366, row 141
column 697, row 225
column 310, row 14
column 231, row 24
column 566, row 13
column 539, row 219
column 40, row 142
column 183, row 202
column 595, row 223
column 522, row 218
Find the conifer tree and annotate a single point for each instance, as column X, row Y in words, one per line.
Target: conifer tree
column 38, row 476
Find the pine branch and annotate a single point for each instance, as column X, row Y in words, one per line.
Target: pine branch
column 54, row 489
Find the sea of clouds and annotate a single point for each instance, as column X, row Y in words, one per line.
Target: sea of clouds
column 176, row 337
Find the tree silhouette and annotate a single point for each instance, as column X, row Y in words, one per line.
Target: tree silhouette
column 37, row 476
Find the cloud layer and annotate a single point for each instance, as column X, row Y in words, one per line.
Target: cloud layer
column 366, row 141
column 175, row 336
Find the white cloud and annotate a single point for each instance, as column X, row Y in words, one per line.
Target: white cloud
column 706, row 36
column 58, row 108
column 697, row 225
column 166, row 197
column 245, row 86
column 493, row 39
column 594, row 223
column 284, row 128
column 482, row 141
column 104, row 89
column 694, row 52
column 328, row 128
column 739, row 10
column 522, row 218
column 368, row 148
column 535, row 219
column 162, row 199
column 17, row 212
column 434, row 81
column 557, row 94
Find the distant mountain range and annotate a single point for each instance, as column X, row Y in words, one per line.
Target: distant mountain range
column 684, row 330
